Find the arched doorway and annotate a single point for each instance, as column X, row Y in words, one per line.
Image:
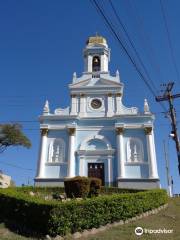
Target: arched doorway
column 95, row 159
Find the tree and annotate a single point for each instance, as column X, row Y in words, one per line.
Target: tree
column 12, row 135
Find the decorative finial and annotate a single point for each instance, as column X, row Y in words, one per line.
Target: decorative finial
column 117, row 75
column 46, row 107
column 74, row 77
column 146, row 107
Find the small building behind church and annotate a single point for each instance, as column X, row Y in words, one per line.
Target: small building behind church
column 5, row 180
column 97, row 136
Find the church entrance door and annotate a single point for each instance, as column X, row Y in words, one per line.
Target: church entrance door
column 96, row 170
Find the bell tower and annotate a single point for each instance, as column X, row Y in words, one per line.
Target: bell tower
column 96, row 55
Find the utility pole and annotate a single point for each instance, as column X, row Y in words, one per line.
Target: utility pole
column 169, row 189
column 172, row 182
column 167, row 96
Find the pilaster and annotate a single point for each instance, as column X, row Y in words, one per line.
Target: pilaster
column 82, row 112
column 42, row 153
column 118, row 103
column 151, row 152
column 110, row 105
column 74, row 105
column 120, row 152
column 71, row 152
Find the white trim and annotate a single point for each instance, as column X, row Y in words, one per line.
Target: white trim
column 55, row 163
column 114, row 117
column 104, row 152
column 136, row 163
column 99, row 137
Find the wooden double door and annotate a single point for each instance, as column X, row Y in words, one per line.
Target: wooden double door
column 96, row 170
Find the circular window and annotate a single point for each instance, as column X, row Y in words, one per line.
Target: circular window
column 96, row 103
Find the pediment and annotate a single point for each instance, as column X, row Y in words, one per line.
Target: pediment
column 107, row 82
column 95, row 82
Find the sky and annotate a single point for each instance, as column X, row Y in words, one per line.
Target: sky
column 41, row 44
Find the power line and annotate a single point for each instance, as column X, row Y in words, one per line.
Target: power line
column 146, row 38
column 16, row 166
column 116, row 36
column 169, row 41
column 131, row 42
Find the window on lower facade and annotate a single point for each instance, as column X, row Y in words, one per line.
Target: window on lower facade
column 135, row 150
column 56, row 151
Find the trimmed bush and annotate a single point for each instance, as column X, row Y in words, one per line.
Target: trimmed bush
column 59, row 218
column 79, row 215
column 112, row 190
column 41, row 190
column 60, row 190
column 21, row 208
column 95, row 187
column 77, row 187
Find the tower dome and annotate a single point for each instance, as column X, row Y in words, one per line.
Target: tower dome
column 96, row 40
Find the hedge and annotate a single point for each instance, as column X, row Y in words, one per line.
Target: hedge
column 51, row 190
column 43, row 190
column 53, row 217
column 90, row 213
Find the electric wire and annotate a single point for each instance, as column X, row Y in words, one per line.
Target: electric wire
column 117, row 37
column 169, row 41
column 131, row 42
column 16, row 166
column 143, row 34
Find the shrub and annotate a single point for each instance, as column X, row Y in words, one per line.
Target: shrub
column 94, row 212
column 40, row 190
column 59, row 218
column 95, row 187
column 112, row 190
column 77, row 187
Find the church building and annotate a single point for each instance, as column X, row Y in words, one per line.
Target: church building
column 97, row 136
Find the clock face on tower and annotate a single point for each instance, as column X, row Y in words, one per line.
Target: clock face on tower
column 96, row 103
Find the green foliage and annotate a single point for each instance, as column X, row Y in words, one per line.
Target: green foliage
column 54, row 217
column 30, row 211
column 41, row 190
column 77, row 187
column 12, row 135
column 95, row 187
column 111, row 190
column 86, row 214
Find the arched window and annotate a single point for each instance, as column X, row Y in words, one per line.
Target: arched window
column 96, row 64
column 57, row 151
column 134, row 150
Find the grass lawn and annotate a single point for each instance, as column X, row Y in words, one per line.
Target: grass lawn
column 168, row 219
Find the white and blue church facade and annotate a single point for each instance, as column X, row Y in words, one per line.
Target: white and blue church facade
column 97, row 136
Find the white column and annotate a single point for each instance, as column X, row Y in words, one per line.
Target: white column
column 82, row 105
column 110, row 105
column 154, row 152
column 89, row 63
column 71, row 153
column 73, row 104
column 110, row 169
column 120, row 152
column 81, row 167
column 151, row 153
column 42, row 153
column 118, row 103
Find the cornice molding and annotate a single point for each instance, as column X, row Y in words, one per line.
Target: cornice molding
column 96, row 152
